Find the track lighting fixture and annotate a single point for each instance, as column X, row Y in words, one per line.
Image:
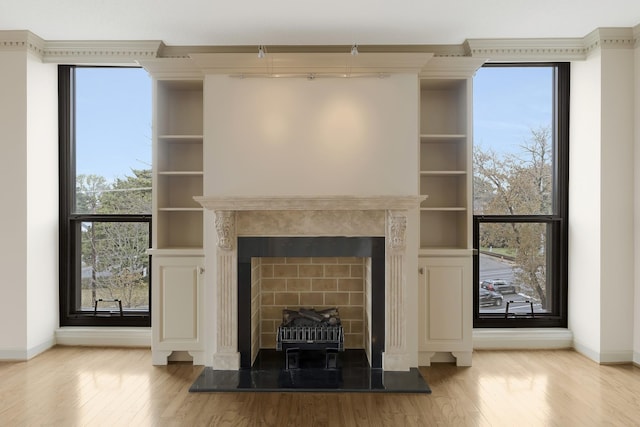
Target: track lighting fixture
column 354, row 49
column 261, row 52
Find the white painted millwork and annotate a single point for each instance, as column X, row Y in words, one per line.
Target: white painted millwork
column 177, row 303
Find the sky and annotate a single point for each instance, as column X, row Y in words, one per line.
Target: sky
column 113, row 121
column 114, row 114
column 508, row 102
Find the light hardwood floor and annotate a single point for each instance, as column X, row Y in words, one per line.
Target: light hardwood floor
column 71, row 386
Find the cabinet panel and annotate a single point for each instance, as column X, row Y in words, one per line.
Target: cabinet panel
column 176, row 318
column 178, row 287
column 445, row 307
column 443, row 294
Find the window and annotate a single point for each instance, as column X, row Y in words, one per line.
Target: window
column 520, row 197
column 105, row 195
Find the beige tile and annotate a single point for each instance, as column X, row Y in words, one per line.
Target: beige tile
column 298, row 260
column 268, row 340
column 266, row 298
column 266, row 270
column 311, row 270
column 273, row 260
column 270, row 285
column 285, row 270
column 338, row 270
column 356, row 298
column 357, row 326
column 311, row 299
column 349, row 260
column 350, row 285
column 268, row 326
column 286, row 298
column 324, row 260
column 273, row 313
column 336, row 298
column 357, row 271
column 298, row 284
column 351, row 313
column 324, row 284
column 353, row 341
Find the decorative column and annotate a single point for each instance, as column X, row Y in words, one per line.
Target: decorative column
column 395, row 354
column 226, row 356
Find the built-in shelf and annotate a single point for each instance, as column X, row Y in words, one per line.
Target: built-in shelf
column 444, row 164
column 178, row 163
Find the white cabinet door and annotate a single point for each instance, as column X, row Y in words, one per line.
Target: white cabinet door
column 176, row 313
column 445, row 309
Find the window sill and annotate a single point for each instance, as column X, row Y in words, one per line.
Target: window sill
column 521, row 338
column 104, row 336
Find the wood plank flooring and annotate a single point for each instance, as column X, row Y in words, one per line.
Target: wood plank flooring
column 76, row 386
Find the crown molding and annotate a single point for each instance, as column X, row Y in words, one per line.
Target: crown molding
column 22, row 41
column 130, row 52
column 527, row 49
column 78, row 52
column 554, row 49
column 118, row 51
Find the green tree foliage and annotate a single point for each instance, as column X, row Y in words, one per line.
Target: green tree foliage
column 521, row 184
column 115, row 252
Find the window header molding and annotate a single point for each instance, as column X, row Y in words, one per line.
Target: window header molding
column 130, row 51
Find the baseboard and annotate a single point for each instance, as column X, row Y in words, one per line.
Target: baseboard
column 104, row 337
column 636, row 358
column 607, row 357
column 20, row 355
column 521, row 338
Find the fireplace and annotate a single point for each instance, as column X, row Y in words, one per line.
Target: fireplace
column 372, row 227
column 371, row 248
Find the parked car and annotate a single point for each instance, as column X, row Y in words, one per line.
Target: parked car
column 498, row 285
column 488, row 297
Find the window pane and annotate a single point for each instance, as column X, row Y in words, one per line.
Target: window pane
column 113, row 140
column 513, row 267
column 513, row 141
column 115, row 264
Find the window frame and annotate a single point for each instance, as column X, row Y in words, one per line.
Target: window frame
column 557, row 258
column 70, row 222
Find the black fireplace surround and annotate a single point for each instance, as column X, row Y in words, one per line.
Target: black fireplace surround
column 364, row 247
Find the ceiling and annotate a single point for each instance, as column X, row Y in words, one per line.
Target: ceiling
column 302, row 22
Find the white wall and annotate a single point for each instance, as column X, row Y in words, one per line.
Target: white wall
column 42, row 205
column 293, row 136
column 601, row 247
column 13, row 190
column 636, row 210
column 28, row 225
column 585, row 197
column 617, row 269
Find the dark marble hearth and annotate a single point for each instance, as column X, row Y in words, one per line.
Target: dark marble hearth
column 352, row 375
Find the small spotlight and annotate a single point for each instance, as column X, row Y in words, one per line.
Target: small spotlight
column 261, row 52
column 354, row 49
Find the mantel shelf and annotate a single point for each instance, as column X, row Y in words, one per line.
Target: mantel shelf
column 311, row 203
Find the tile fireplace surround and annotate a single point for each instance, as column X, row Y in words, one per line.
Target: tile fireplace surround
column 348, row 216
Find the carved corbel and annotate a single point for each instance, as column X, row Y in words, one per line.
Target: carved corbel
column 225, row 223
column 397, row 228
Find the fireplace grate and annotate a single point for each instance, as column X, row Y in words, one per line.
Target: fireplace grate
column 311, row 337
column 310, row 329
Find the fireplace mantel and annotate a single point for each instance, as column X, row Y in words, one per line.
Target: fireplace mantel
column 308, row 216
column 311, row 203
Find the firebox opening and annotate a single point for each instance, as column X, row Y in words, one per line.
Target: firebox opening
column 293, row 273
